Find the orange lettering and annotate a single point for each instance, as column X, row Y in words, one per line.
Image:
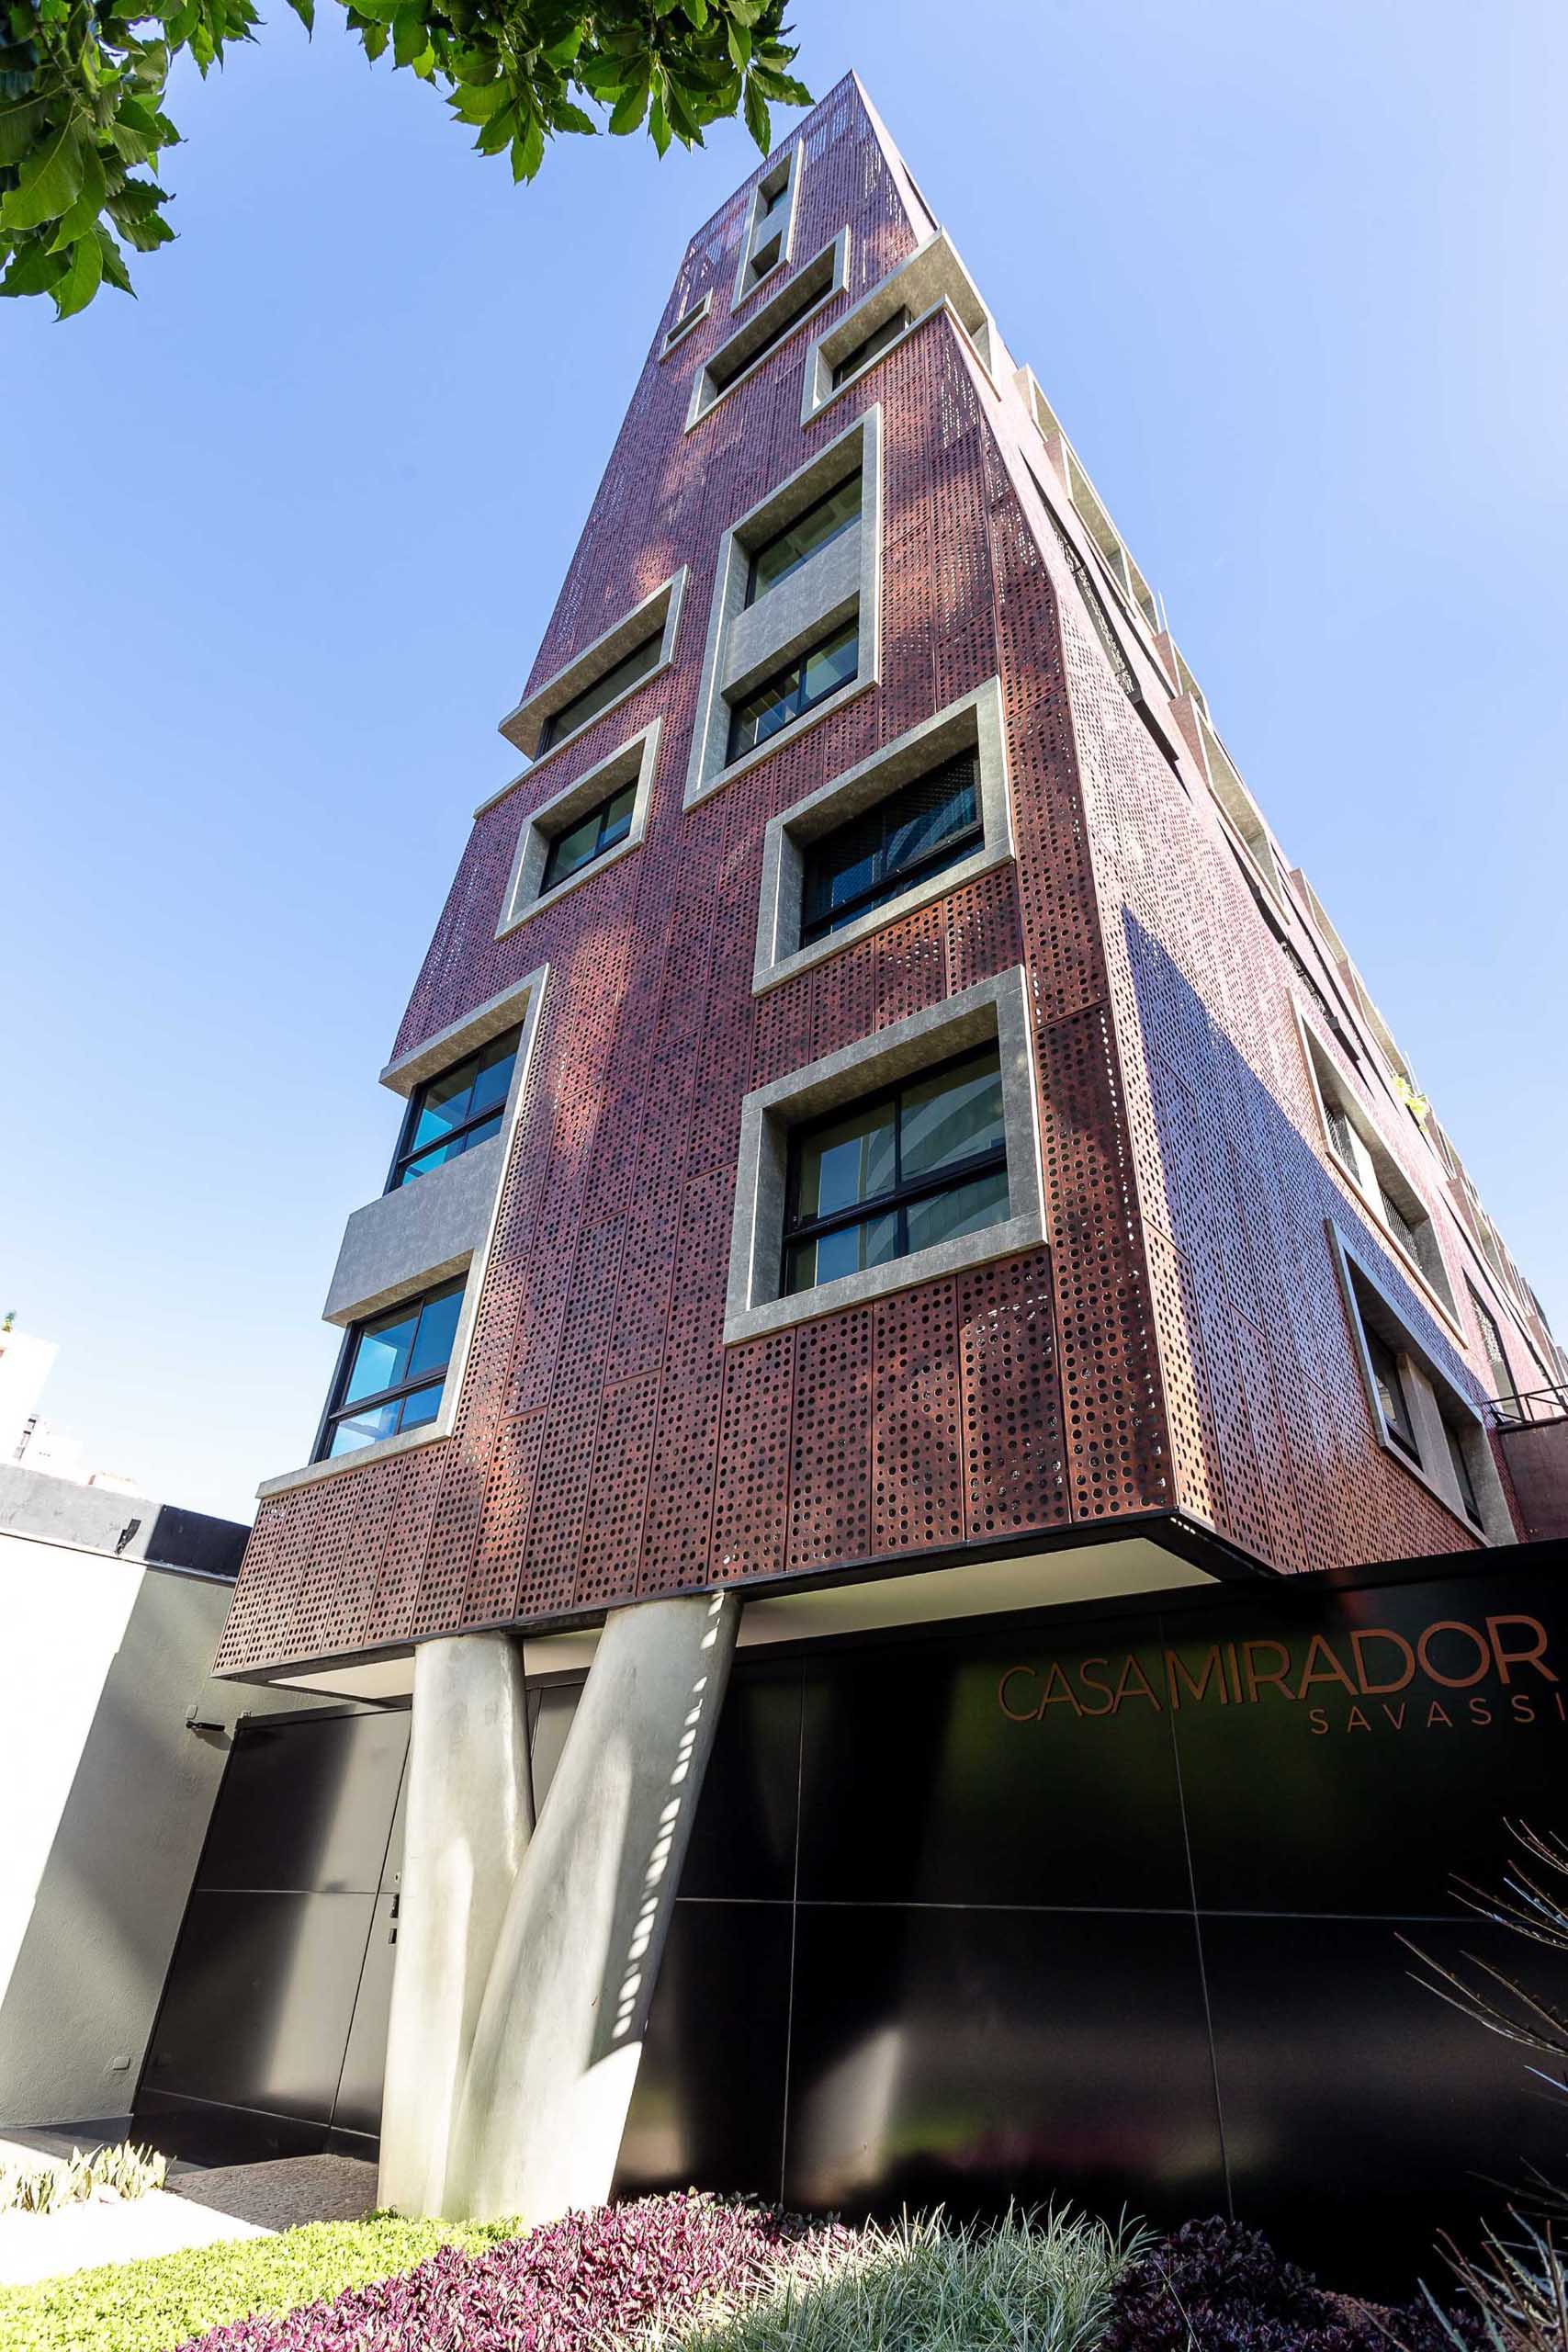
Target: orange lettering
column 1030, row 1713
column 1535, row 1655
column 1452, row 1682
column 1381, row 1633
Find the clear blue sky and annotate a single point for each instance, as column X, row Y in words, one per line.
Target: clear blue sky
column 280, row 540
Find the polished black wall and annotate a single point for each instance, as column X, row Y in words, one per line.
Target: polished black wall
column 980, row 1913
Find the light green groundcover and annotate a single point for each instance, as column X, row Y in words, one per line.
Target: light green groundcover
column 149, row 2306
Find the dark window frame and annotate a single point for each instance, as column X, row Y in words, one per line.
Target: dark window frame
column 894, row 881
column 407, row 1155
column 1401, row 1431
column 1492, row 1346
column 550, row 880
column 754, row 555
column 817, row 286
column 872, row 345
column 1463, row 1479
column 554, row 730
column 797, row 666
column 896, row 1200
column 339, row 1409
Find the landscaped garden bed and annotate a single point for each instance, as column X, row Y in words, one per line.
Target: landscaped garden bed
column 697, row 2274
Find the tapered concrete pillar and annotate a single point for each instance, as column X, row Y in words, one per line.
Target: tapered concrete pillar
column 555, row 2053
column 468, row 1818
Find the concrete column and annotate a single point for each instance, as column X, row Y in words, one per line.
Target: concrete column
column 469, row 1813
column 555, row 2053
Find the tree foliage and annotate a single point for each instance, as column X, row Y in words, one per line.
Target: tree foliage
column 83, row 86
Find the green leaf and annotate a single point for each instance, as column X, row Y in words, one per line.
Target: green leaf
column 82, row 280
column 478, row 101
column 630, row 107
column 659, row 126
column 745, row 12
column 783, row 87
column 499, row 131
column 561, row 53
column 409, row 38
column 306, row 12
column 50, row 183
column 34, row 270
column 115, row 270
column 698, row 12
column 528, row 153
column 740, row 41
column 757, row 121
column 564, row 116
column 81, row 216
column 18, row 122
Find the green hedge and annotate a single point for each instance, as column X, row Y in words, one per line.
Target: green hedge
column 150, row 2306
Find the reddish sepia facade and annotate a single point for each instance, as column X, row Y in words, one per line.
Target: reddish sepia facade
column 1231, row 1221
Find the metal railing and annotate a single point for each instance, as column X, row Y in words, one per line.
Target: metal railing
column 1535, row 1405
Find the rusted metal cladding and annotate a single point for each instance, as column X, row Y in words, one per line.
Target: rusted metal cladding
column 607, row 1443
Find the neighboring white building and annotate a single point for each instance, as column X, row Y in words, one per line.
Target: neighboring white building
column 25, row 1436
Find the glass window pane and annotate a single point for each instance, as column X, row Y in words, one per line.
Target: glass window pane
column 482, row 1133
column 493, row 1074
column 1461, row 1472
column 848, row 1251
column 831, row 665
column 572, row 850
column 950, row 1118
column 437, row 1324
column 920, row 820
column 603, row 690
column 778, row 556
column 618, row 817
column 362, row 1429
column 852, row 1160
column 967, row 1208
column 1391, row 1394
column 421, row 1407
column 436, row 1156
column 442, row 1103
column 381, row 1354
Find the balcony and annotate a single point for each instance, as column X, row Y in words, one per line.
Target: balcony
column 1530, row 1435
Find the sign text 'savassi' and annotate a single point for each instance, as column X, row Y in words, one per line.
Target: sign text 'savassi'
column 1496, row 1671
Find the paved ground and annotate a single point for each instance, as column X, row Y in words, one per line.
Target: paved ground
column 288, row 2189
column 196, row 2208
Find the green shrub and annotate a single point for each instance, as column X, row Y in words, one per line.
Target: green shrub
column 1031, row 2282
column 150, row 2306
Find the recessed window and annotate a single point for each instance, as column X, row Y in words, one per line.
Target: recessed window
column 1492, row 1340
column 456, row 1108
column 687, row 321
column 775, row 320
column 599, row 831
column 771, row 198
column 1362, row 1156
column 880, row 853
column 869, row 347
column 393, row 1372
column 921, row 1163
column 776, row 558
column 794, row 690
column 1389, row 1382
column 605, row 690
column 767, row 256
column 1460, row 1466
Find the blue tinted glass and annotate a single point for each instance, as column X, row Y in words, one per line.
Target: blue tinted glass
column 832, row 665
column 422, row 1406
column 436, row 1156
column 444, row 1104
column 924, row 830
column 968, row 1208
column 493, row 1076
column 363, row 1428
column 437, row 1324
column 848, row 1251
column 381, row 1355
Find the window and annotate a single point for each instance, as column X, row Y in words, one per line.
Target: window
column 776, row 558
column 392, row 1372
column 590, row 836
column 603, row 690
column 1420, row 1411
column 687, row 321
column 768, row 256
column 773, row 197
column 458, row 1108
column 791, row 692
column 915, row 833
column 1492, row 1340
column 775, row 321
column 1362, row 1156
column 1388, row 1382
column 1460, row 1466
column 869, row 347
column 921, row 1163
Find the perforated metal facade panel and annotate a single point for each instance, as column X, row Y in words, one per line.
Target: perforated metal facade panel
column 1179, row 1343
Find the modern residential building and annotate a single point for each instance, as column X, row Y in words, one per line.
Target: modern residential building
column 883, row 1136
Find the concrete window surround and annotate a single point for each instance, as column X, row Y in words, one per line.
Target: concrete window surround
column 1427, row 1388
column 525, row 725
column 407, row 1241
column 636, row 759
column 684, row 325
column 994, row 1009
column 785, row 176
column 1372, row 1161
column 932, row 280
column 706, row 394
column 842, row 581
column 972, row 723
